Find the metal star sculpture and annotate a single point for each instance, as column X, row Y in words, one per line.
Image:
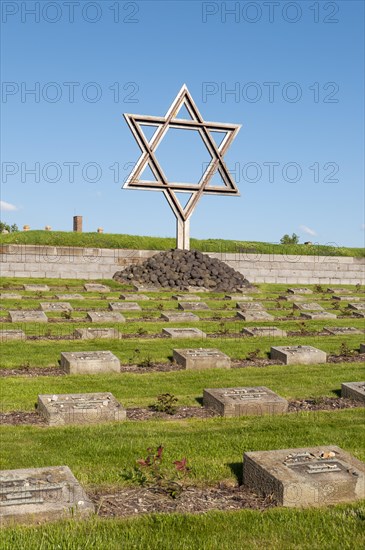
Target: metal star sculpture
column 148, row 159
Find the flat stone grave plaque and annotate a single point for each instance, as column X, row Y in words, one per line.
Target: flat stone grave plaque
column 36, row 288
column 309, row 476
column 105, row 317
column 145, row 288
column 27, row 316
column 353, row 390
column 94, row 287
column 10, row 296
column 7, row 335
column 308, row 306
column 300, row 291
column 358, row 314
column 339, row 290
column 298, row 355
column 244, row 401
column 183, row 333
column 193, row 306
column 362, row 348
column 238, row 297
column 245, row 289
column 201, row 358
column 80, row 408
column 69, row 297
column 263, row 331
column 357, row 307
column 250, row 306
column 177, row 317
column 89, row 362
column 186, row 297
column 342, row 330
column 255, row 316
column 292, row 297
column 92, row 333
column 34, row 495
column 319, row 315
column 134, row 297
column 124, row 306
column 346, row 298
column 56, row 306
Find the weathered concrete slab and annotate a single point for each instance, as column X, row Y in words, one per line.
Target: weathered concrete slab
column 36, row 288
column 342, row 331
column 346, row 298
column 359, row 314
column 27, row 316
column 308, row 306
column 339, row 290
column 300, row 291
column 134, row 297
column 255, row 316
column 257, row 400
column 308, row 476
column 35, row 495
column 298, row 355
column 7, row 335
column 201, row 358
column 264, row 331
column 292, row 297
column 69, row 297
column 183, row 333
column 238, row 297
column 353, row 390
column 89, row 362
column 250, row 306
column 357, row 307
column 93, row 333
column 80, row 408
column 320, row 315
column 10, row 296
column 56, row 306
column 95, row 287
column 186, row 297
column 177, row 317
column 193, row 306
column 145, row 288
column 124, row 306
column 105, row 317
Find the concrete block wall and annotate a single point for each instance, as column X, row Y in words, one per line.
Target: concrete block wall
column 101, row 263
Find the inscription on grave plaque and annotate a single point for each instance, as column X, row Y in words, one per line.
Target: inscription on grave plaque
column 183, row 333
column 36, row 288
column 244, row 401
column 301, row 355
column 55, row 306
column 124, row 306
column 89, row 362
column 353, row 390
column 201, row 358
column 192, row 306
column 105, row 317
column 27, row 316
column 177, row 317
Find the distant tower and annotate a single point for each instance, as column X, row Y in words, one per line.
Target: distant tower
column 78, row 224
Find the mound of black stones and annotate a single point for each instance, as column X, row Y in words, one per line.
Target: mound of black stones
column 183, row 270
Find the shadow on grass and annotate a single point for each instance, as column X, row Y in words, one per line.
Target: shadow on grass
column 237, row 471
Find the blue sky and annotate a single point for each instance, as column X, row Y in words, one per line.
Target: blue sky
column 295, row 72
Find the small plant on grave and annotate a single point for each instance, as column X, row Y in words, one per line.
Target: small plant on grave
column 319, row 288
column 254, row 354
column 66, row 314
column 160, row 307
column 141, row 331
column 151, row 472
column 345, row 350
column 146, row 362
column 358, row 287
column 303, row 328
column 335, row 304
column 223, row 329
column 166, row 403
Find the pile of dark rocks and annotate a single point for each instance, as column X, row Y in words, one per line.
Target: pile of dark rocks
column 183, row 270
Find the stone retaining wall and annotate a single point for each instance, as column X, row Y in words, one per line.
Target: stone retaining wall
column 102, row 263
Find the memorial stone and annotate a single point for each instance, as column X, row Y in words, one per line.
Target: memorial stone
column 320, row 315
column 93, row 333
column 89, row 362
column 36, row 288
column 244, row 401
column 10, row 296
column 201, row 358
column 264, row 331
column 298, row 355
column 105, row 317
column 186, row 297
column 353, row 390
column 94, row 287
column 134, row 297
column 255, row 316
column 69, row 296
column 183, row 333
column 300, row 291
column 193, row 306
column 7, row 335
column 124, row 306
column 308, row 306
column 177, row 317
column 343, row 331
column 28, row 316
column 56, row 306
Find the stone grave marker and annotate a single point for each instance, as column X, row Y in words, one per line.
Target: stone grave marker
column 105, row 317
column 298, row 355
column 255, row 316
column 300, row 291
column 145, row 288
column 238, row 297
column 177, row 317
column 308, row 306
column 10, row 296
column 338, row 290
column 343, row 331
column 56, row 306
column 264, row 331
column 80, row 408
column 319, row 315
column 7, row 335
column 36, row 288
column 346, row 298
column 250, row 306
column 292, row 297
column 244, row 401
column 183, row 333
column 92, row 333
column 309, row 476
column 357, row 307
column 89, row 362
column 247, row 289
column 186, row 297
column 95, row 287
column 193, row 306
column 134, row 297
column 27, row 316
column 69, row 296
column 362, row 348
column 124, row 306
column 35, row 495
column 359, row 314
column 201, row 358
column 353, row 390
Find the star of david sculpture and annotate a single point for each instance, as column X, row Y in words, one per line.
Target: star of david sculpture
column 216, row 150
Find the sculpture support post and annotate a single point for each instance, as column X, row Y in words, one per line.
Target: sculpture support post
column 182, row 234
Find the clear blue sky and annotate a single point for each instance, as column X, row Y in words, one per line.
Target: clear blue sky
column 138, row 55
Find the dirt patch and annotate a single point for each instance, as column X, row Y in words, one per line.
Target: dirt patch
column 323, row 404
column 20, row 418
column 193, row 500
column 355, row 358
column 32, row 372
